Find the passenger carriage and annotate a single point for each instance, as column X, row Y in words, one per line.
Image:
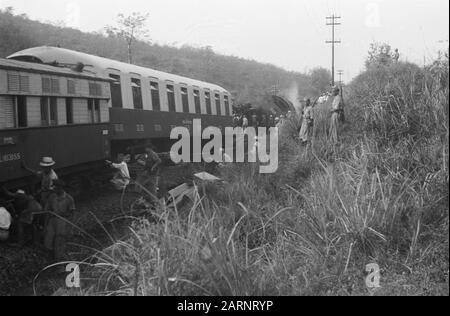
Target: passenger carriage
column 51, row 111
column 80, row 109
column 145, row 103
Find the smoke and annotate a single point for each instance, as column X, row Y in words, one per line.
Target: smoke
column 292, row 94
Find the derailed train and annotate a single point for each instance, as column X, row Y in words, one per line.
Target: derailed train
column 81, row 109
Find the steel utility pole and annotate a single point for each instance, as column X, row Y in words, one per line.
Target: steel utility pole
column 333, row 21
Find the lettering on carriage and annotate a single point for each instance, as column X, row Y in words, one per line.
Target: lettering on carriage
column 10, row 140
column 10, row 157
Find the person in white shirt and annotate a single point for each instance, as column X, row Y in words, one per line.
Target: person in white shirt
column 5, row 223
column 307, row 123
column 244, row 122
column 122, row 177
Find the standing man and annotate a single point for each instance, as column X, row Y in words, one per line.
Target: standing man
column 244, row 122
column 271, row 121
column 149, row 177
column 235, row 120
column 337, row 110
column 47, row 176
column 396, row 55
column 61, row 207
column 255, row 121
column 307, row 124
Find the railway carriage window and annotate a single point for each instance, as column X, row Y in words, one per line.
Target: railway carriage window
column 71, row 86
column 50, row 85
column 137, row 93
column 218, row 107
column 171, row 98
column 18, row 82
column 116, row 91
column 44, row 111
column 185, row 100
column 22, row 112
column 7, row 113
column 53, row 111
column 90, row 110
column 55, row 85
column 95, row 89
column 46, row 85
column 24, row 83
column 154, row 89
column 96, row 111
column 227, row 105
column 208, row 102
column 197, row 102
column 13, row 82
column 69, row 110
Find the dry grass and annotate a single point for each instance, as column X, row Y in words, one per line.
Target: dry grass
column 310, row 229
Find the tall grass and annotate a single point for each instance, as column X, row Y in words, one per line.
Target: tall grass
column 380, row 196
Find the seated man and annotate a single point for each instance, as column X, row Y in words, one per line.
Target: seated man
column 61, row 208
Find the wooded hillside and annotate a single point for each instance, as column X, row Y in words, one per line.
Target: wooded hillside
column 249, row 80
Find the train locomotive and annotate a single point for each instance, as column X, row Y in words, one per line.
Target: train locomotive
column 81, row 109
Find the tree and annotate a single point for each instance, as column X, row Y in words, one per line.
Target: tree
column 379, row 55
column 130, row 28
column 8, row 10
column 320, row 80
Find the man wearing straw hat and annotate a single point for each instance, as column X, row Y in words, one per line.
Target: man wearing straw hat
column 47, row 176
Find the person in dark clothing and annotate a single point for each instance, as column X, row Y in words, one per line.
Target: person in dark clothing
column 25, row 207
column 149, row 177
column 61, row 207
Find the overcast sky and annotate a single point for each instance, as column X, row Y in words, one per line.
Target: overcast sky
column 287, row 33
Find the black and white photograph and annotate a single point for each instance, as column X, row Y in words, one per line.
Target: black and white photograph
column 225, row 155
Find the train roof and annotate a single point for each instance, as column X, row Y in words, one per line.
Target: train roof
column 16, row 65
column 47, row 54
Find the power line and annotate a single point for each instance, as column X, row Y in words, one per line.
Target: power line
column 333, row 21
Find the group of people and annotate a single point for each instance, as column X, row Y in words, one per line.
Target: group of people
column 147, row 180
column 44, row 218
column 337, row 118
column 255, row 121
column 307, row 118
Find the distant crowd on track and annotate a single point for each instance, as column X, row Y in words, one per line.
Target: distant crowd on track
column 305, row 130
